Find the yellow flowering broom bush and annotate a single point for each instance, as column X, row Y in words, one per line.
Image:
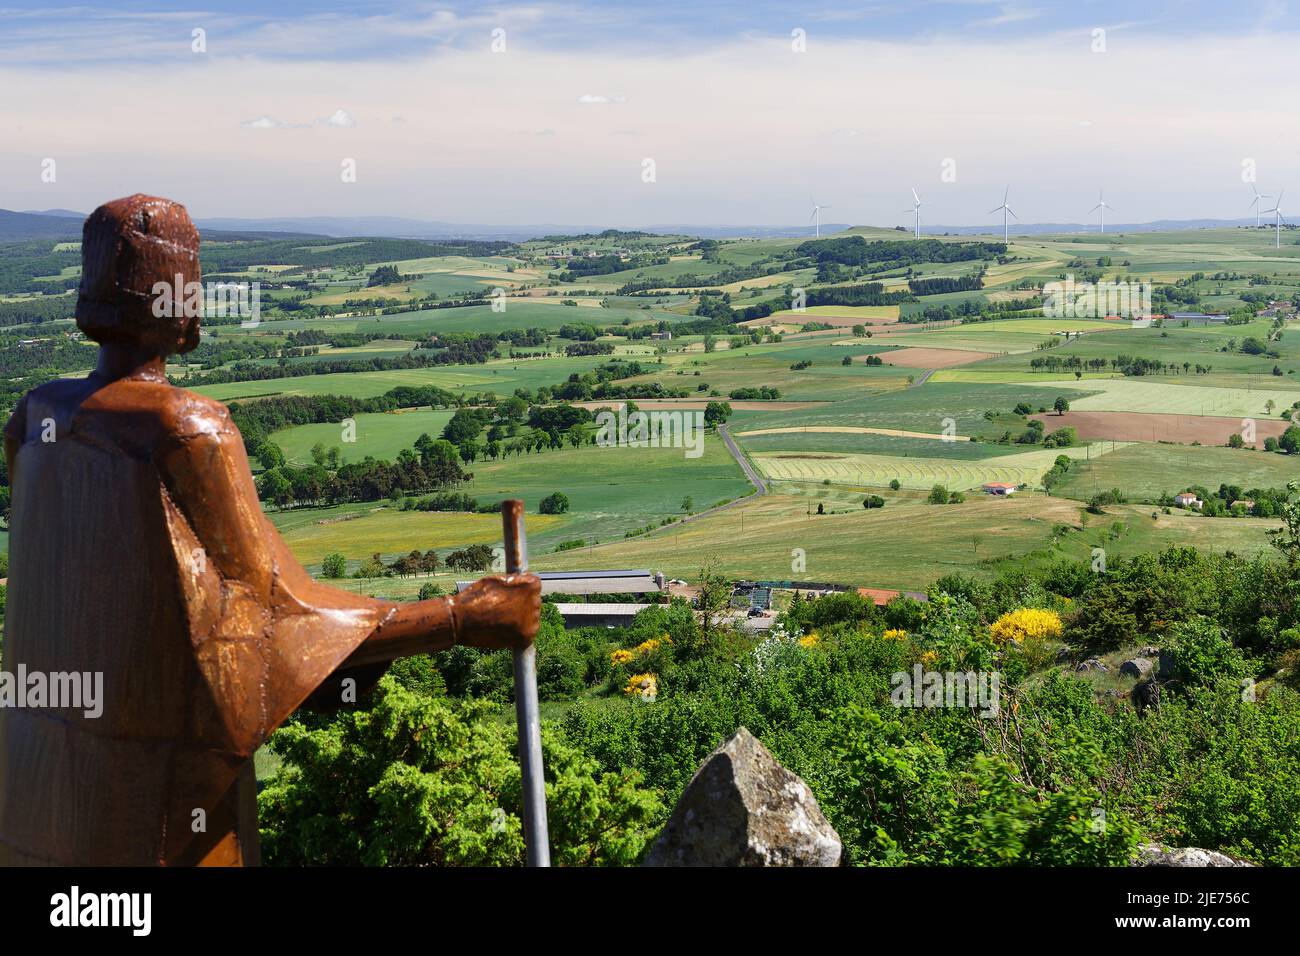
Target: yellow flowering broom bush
column 1026, row 624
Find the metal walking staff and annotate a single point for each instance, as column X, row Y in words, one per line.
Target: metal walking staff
column 527, row 715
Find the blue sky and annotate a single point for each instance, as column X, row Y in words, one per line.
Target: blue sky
column 367, row 30
column 1179, row 106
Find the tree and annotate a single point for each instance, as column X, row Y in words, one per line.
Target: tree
column 274, row 486
column 716, row 413
column 464, row 426
column 938, row 495
column 1061, row 405
column 688, row 504
column 1290, row 440
column 1287, row 538
column 477, row 557
column 417, row 780
column 556, row 503
column 373, row 567
column 334, row 565
column 270, row 455
column 715, row 593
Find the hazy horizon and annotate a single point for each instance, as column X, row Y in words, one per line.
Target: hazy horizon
column 1169, row 110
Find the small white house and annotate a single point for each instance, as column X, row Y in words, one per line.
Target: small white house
column 1188, row 500
column 1003, row 488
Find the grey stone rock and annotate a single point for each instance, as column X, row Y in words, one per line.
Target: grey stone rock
column 742, row 808
column 1091, row 664
column 1063, row 655
column 1138, row 667
column 1156, row 854
column 1149, row 651
column 1146, row 694
column 1167, row 667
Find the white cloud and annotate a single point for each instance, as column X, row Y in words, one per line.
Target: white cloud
column 340, row 119
column 745, row 127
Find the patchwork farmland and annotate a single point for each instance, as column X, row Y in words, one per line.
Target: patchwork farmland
column 373, row 351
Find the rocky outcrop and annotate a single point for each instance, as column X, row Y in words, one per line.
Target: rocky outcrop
column 742, row 808
column 1138, row 667
column 1146, row 694
column 1168, row 667
column 1156, row 854
column 1092, row 664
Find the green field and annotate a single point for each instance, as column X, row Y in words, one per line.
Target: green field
column 922, row 409
column 908, row 543
column 1146, row 471
column 611, row 491
column 380, row 435
column 500, row 376
column 1145, row 395
column 875, row 471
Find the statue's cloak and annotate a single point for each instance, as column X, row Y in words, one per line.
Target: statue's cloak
column 108, row 575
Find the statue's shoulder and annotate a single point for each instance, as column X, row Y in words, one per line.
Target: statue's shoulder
column 56, row 393
column 188, row 415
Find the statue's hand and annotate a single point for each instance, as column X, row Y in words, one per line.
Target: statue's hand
column 500, row 611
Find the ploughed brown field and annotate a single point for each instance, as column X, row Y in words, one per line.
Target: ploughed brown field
column 1156, row 427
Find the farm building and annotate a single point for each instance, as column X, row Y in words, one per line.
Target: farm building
column 661, row 336
column 1000, row 488
column 1187, row 500
column 599, row 615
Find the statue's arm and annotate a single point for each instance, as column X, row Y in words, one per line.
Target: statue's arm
column 210, row 478
column 495, row 612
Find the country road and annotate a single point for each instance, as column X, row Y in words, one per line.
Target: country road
column 754, row 477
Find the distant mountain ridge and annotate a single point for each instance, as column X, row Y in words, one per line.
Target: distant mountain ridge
column 1048, row 228
column 66, row 224
column 17, row 226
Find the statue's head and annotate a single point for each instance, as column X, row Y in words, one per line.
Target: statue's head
column 139, row 266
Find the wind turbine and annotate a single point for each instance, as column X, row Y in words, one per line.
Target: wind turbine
column 1004, row 208
column 1256, row 202
column 916, row 211
column 1103, row 206
column 1277, row 222
column 816, row 217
